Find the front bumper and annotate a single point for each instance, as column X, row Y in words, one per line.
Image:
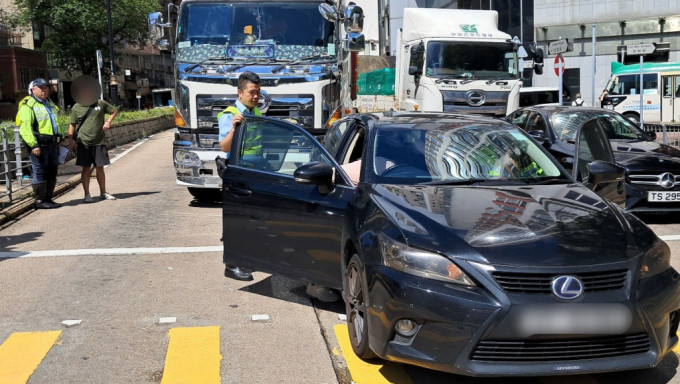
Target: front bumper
column 636, row 200
column 455, row 323
column 195, row 167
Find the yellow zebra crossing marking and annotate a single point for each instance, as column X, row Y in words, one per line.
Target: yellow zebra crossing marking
column 21, row 354
column 363, row 372
column 193, row 356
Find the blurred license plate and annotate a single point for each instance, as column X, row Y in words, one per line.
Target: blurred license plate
column 569, row 319
column 663, row 196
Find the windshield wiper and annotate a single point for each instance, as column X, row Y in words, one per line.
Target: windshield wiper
column 300, row 60
column 200, row 63
column 552, row 180
column 454, row 182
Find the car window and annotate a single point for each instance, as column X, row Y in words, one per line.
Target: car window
column 276, row 146
column 617, row 127
column 519, row 118
column 334, row 136
column 411, row 156
column 536, row 122
column 591, row 146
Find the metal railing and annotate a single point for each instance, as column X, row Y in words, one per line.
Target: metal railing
column 665, row 133
column 11, row 164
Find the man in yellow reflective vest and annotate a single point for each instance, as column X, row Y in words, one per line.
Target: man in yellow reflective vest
column 248, row 94
column 39, row 130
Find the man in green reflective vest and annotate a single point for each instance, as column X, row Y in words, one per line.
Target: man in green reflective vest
column 246, row 104
column 248, row 94
column 39, row 130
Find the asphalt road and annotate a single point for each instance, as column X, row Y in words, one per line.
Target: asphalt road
column 139, row 283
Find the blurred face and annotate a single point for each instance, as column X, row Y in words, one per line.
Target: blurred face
column 40, row 92
column 250, row 95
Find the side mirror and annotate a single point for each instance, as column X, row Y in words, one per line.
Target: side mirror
column 414, row 71
column 651, row 134
column 538, row 61
column 417, row 51
column 354, row 18
column 356, row 42
column 328, row 12
column 320, row 174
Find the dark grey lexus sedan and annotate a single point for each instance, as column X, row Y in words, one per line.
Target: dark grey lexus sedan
column 463, row 246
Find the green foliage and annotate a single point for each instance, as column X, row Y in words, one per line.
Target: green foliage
column 7, row 127
column 78, row 28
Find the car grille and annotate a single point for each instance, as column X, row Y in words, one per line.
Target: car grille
column 659, row 182
column 560, row 349
column 540, row 283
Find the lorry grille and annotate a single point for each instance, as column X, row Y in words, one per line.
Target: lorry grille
column 540, row 283
column 560, row 350
column 494, row 103
column 297, row 107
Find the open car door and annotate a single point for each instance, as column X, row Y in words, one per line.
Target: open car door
column 594, row 164
column 284, row 203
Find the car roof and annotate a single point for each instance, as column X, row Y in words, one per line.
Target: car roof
column 426, row 120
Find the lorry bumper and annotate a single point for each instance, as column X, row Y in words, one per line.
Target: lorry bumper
column 195, row 167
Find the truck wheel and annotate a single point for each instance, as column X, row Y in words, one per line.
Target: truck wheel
column 206, row 195
column 356, row 309
column 634, row 117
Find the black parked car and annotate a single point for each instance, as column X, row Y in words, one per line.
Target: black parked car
column 464, row 247
column 652, row 168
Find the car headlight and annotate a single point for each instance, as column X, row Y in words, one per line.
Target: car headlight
column 656, row 260
column 421, row 263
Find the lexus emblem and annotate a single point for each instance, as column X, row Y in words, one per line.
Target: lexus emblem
column 567, row 287
column 475, row 98
column 667, row 180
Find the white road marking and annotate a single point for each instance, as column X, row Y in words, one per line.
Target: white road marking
column 108, row 252
column 670, row 237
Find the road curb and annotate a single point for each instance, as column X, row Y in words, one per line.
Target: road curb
column 26, row 204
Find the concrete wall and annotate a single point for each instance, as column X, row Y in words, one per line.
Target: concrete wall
column 129, row 131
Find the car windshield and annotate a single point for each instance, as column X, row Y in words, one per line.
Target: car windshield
column 471, row 60
column 615, row 126
column 253, row 30
column 467, row 154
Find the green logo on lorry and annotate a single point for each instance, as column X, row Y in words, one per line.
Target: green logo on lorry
column 472, row 28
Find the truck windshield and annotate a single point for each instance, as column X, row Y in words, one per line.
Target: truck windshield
column 473, row 60
column 277, row 31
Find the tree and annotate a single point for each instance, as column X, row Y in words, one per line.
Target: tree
column 76, row 29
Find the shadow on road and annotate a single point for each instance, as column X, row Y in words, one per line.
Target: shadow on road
column 7, row 242
column 205, row 204
column 96, row 199
column 281, row 288
column 659, row 218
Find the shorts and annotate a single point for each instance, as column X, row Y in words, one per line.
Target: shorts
column 92, row 154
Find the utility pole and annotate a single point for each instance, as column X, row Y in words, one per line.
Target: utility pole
column 113, row 81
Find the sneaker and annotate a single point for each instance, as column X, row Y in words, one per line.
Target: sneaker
column 107, row 196
column 322, row 293
column 88, row 198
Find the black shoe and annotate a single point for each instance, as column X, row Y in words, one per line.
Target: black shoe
column 54, row 204
column 237, row 273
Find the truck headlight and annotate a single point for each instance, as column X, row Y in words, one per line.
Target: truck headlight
column 656, row 260
column 421, row 263
column 187, row 159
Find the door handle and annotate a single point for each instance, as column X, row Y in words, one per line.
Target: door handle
column 240, row 190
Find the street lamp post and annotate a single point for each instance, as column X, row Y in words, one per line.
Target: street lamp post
column 113, row 82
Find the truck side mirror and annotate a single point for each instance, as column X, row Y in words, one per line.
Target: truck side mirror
column 356, row 42
column 417, row 51
column 538, row 61
column 328, row 12
column 354, row 18
column 414, row 71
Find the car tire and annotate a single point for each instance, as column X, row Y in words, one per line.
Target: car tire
column 206, row 195
column 357, row 308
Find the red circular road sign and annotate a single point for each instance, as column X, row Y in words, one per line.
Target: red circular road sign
column 559, row 64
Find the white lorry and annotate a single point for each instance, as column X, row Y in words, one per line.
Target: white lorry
column 456, row 60
column 301, row 56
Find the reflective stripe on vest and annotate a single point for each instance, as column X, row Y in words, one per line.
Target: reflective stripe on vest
column 253, row 142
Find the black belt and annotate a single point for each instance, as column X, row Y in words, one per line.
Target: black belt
column 47, row 139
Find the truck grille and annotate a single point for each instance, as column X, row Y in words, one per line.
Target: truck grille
column 297, row 107
column 540, row 283
column 494, row 103
column 560, row 350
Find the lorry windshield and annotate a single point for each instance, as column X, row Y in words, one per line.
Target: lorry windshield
column 253, row 30
column 472, row 60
